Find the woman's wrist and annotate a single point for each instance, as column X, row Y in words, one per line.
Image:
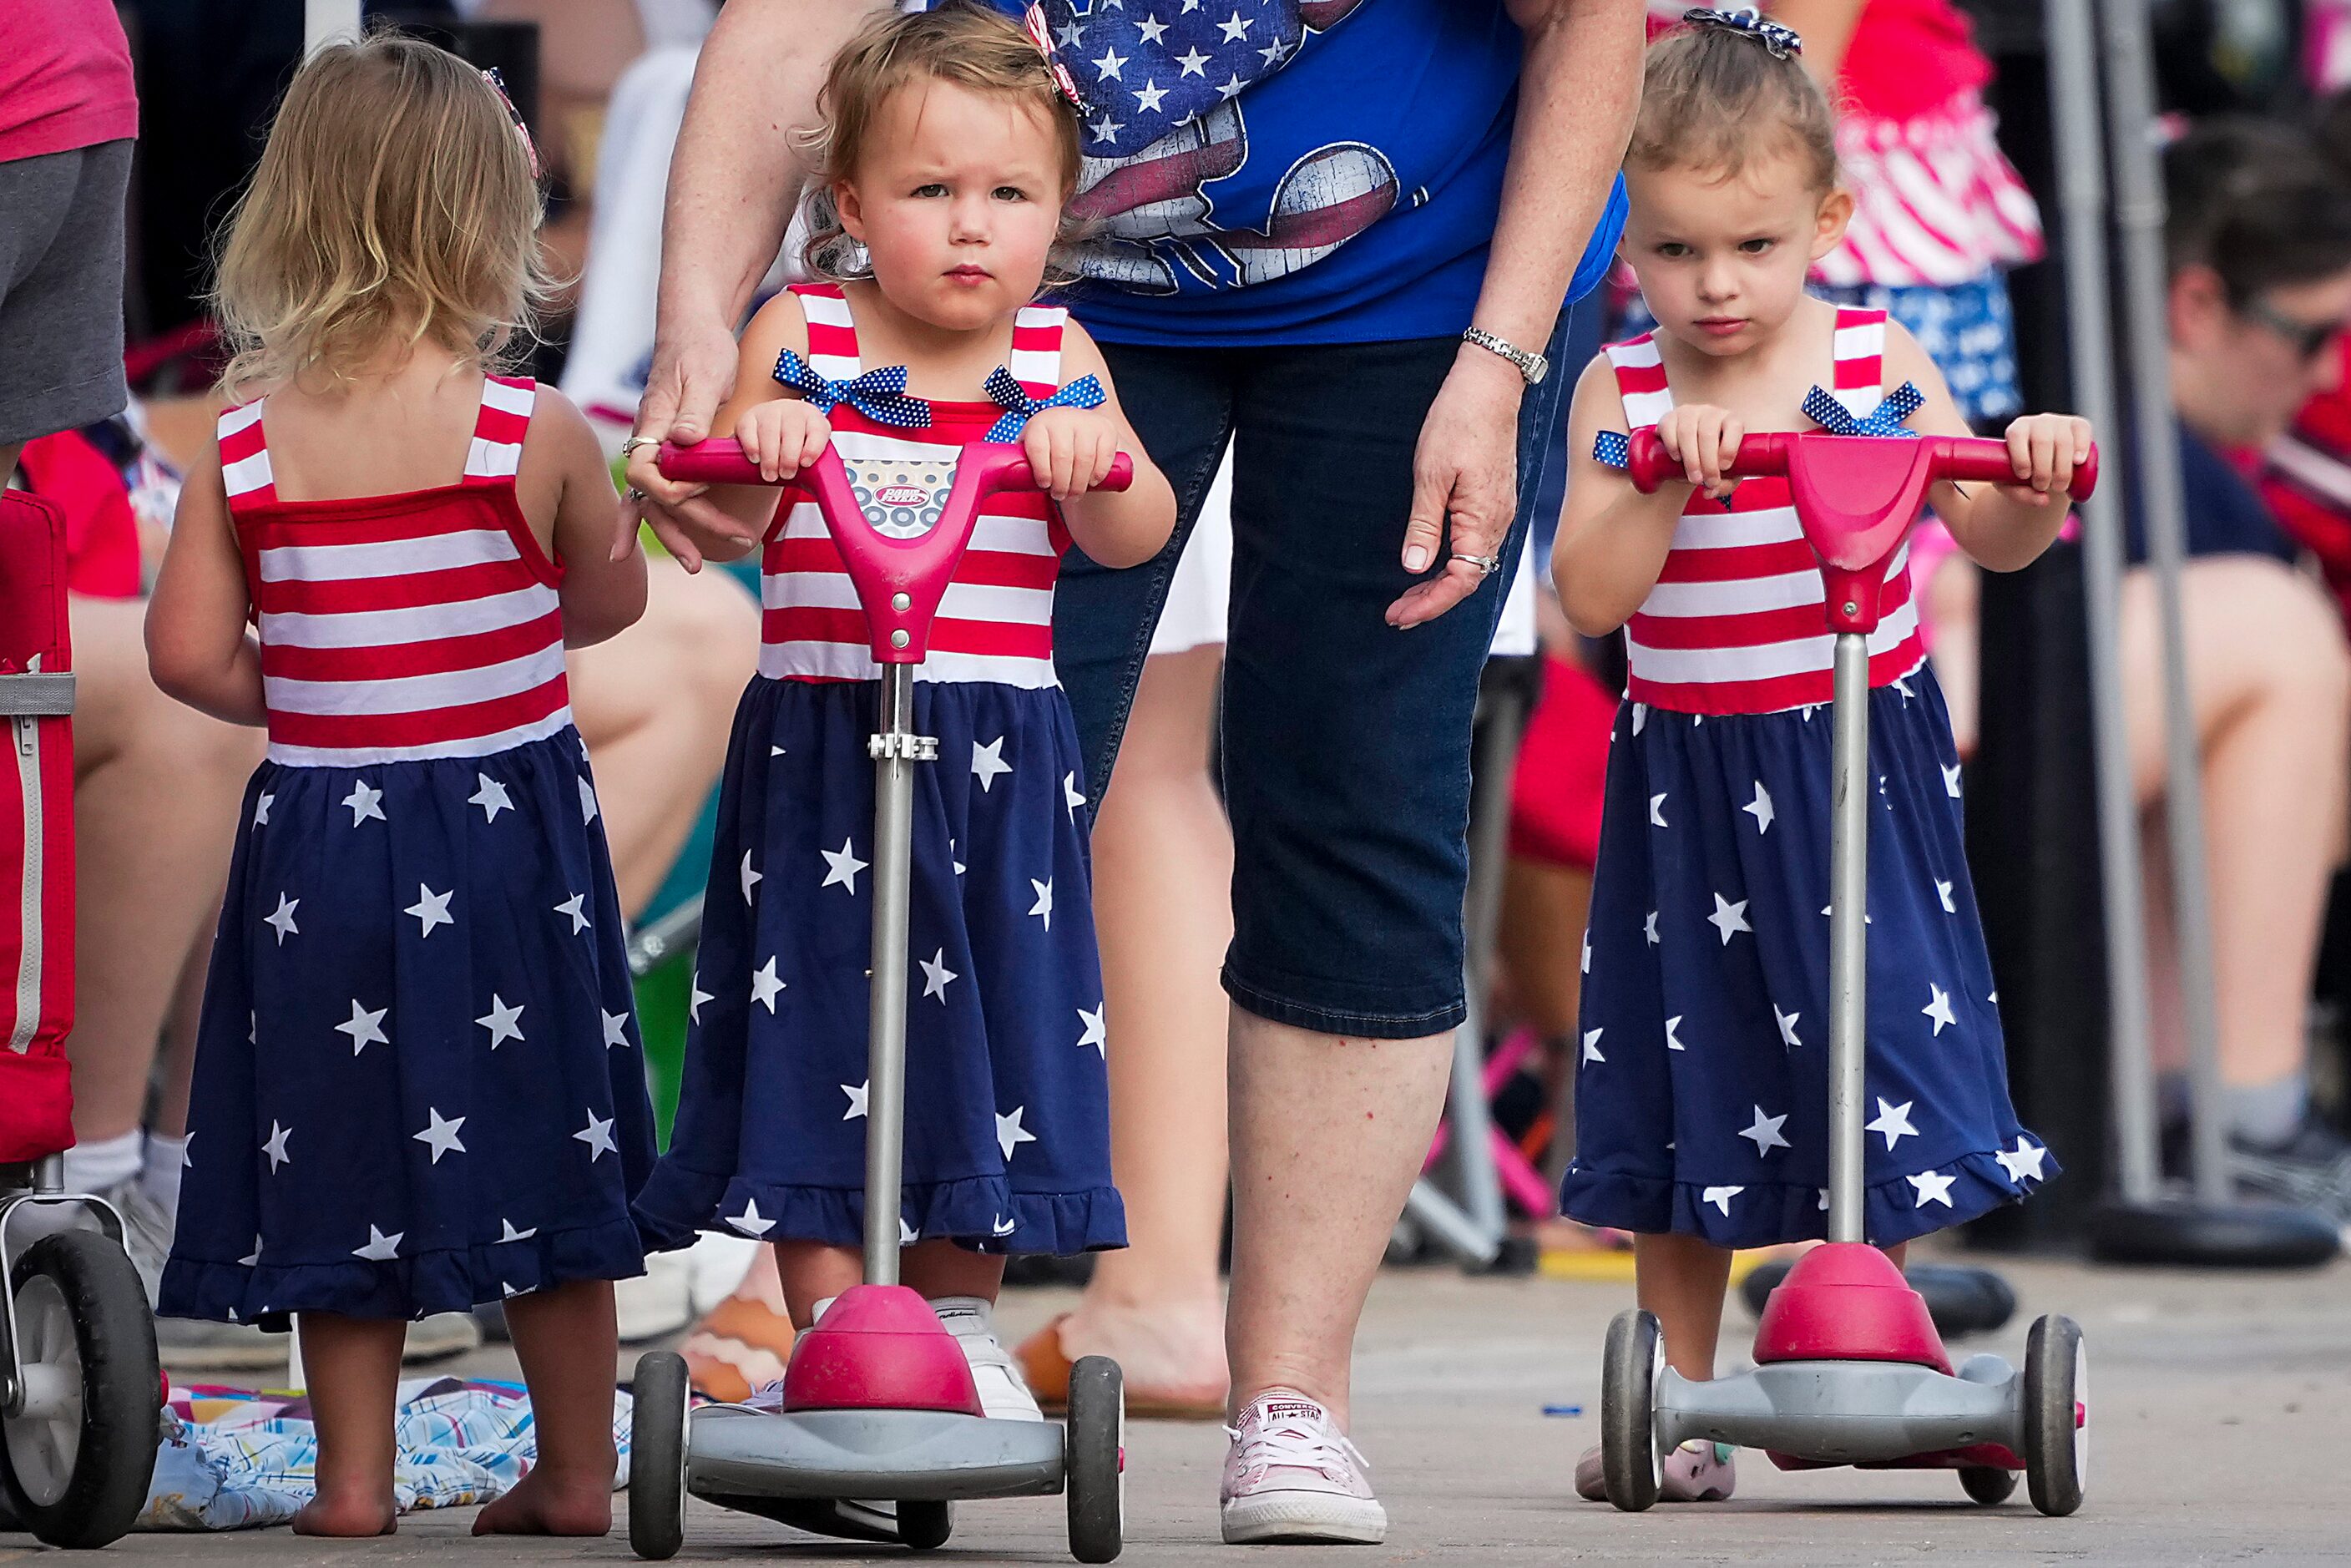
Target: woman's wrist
column 1484, row 368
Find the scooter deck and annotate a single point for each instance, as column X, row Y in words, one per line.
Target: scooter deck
column 1848, row 1412
column 882, row 1454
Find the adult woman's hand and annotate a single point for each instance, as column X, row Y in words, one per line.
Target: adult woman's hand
column 692, row 371
column 1465, row 470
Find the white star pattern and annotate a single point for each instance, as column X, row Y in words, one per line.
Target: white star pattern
column 187, row 1157
column 587, row 802
column 1827, row 910
column 841, row 867
column 765, row 985
column 1150, row 27
column 857, row 1093
column 1232, row 87
column 1096, row 1033
column 598, row 1135
column 751, row 1222
column 1071, row 796
column 1787, row 1022
column 1003, row 1227
column 1106, row 128
column 1147, row 99
column 1640, row 717
column 1902, row 685
column 1938, row 1006
column 575, row 908
column 751, row 879
column 1952, row 781
column 1943, row 892
column 492, row 798
column 1728, row 918
column 507, row 1232
column 1657, row 810
column 1894, row 1120
column 282, row 917
column 252, row 1259
column 1009, row 1133
column 695, row 997
column 504, row 1022
column 2020, row 1161
column 364, row 802
column 1068, row 35
column 987, row 763
column 1110, row 65
column 1673, row 1042
column 274, row 1145
column 431, row 909
column 1720, row 1197
column 364, row 1027
column 907, row 1234
column 1759, row 808
column 439, row 1134
column 1765, row 1132
column 1932, row 1188
column 1044, row 904
column 1592, row 1044
column 1234, row 28
column 1586, row 964
column 380, row 1247
column 261, row 810
column 616, row 1029
column 1650, row 930
column 1274, row 53
column 938, row 977
column 1194, row 64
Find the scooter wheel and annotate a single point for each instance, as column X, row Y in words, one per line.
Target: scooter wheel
column 2057, row 1415
column 76, row 1476
column 657, row 1451
column 1095, row 1446
column 1631, row 1363
column 923, row 1525
column 1988, row 1484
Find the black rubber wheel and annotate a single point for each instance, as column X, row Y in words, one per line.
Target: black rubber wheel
column 925, row 1525
column 79, row 1478
column 1630, row 1464
column 657, row 1428
column 1093, row 1447
column 2056, row 1432
column 1988, row 1484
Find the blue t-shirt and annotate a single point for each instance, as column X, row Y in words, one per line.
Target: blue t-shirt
column 2225, row 514
column 1290, row 171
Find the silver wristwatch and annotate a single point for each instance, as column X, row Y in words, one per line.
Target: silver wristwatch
column 1534, row 366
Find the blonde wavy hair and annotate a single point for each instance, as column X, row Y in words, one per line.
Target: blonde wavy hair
column 970, row 45
column 395, row 202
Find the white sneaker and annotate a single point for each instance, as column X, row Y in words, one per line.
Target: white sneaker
column 1292, row 1475
column 1003, row 1393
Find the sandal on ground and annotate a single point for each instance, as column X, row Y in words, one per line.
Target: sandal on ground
column 1047, row 1367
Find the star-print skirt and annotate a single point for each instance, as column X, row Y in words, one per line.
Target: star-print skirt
column 1701, row 1095
column 418, row 1084
column 1007, row 1116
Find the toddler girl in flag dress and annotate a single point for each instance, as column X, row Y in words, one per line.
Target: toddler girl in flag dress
column 1701, row 1089
column 417, row 1081
column 949, row 153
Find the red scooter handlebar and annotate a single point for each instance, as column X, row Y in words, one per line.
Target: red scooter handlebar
column 721, row 461
column 1963, row 457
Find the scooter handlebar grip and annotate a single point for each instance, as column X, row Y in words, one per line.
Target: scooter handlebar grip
column 1984, row 461
column 717, row 460
column 1015, row 476
column 1649, row 465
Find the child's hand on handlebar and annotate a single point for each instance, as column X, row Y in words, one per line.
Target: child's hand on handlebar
column 1070, row 449
column 782, row 437
column 2044, row 449
column 1704, row 441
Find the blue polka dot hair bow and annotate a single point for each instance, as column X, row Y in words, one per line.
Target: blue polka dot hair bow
column 1886, row 419
column 1781, row 41
column 1020, row 408
column 880, row 396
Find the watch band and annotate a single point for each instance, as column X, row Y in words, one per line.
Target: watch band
column 1533, row 367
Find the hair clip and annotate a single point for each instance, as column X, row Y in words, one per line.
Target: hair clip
column 1748, row 22
column 1039, row 34
column 530, row 148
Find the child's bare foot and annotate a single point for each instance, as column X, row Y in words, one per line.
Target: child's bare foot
column 548, row 1501
column 358, row 1513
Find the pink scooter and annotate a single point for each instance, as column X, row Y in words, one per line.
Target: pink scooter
column 1849, row 1369
column 878, row 1400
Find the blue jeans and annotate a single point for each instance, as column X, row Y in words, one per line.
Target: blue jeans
column 1345, row 742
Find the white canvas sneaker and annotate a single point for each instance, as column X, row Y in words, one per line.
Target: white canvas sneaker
column 1292, row 1475
column 1003, row 1395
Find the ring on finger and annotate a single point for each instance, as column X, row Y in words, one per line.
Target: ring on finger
column 1484, row 564
column 629, row 448
column 634, row 495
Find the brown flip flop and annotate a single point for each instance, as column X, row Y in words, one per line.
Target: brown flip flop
column 1046, row 1365
column 739, row 1345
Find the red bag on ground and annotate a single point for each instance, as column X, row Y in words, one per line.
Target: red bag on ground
column 36, row 860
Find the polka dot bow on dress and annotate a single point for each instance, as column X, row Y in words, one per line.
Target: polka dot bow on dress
column 880, row 396
column 1020, row 408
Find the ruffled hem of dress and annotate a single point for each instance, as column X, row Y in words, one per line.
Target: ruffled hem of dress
column 1770, row 1214
column 984, row 1213
column 454, row 1280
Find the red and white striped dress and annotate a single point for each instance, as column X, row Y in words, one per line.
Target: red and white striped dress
column 1737, row 622
column 399, row 627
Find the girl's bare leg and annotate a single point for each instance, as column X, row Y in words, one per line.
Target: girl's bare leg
column 569, row 1346
column 352, row 1367
column 814, row 1271
column 1682, row 1279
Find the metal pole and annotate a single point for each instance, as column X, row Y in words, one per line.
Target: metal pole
column 2082, row 200
column 323, row 21
column 2139, row 214
column 894, row 753
column 1849, row 794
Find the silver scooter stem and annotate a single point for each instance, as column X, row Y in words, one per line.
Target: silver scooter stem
column 896, row 748
column 1848, row 913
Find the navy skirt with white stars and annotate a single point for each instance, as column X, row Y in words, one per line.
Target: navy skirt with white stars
column 418, row 1085
column 1007, row 1116
column 1701, row 1094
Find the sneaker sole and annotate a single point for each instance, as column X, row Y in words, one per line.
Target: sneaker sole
column 1304, row 1518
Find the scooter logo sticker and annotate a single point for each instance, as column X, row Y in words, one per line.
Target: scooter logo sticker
column 902, row 495
column 903, row 499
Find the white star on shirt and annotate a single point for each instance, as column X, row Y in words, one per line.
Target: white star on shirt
column 1150, row 27
column 187, row 1156
column 1274, row 53
column 765, row 985
column 1787, row 1022
column 1657, row 811
column 252, row 1259
column 1011, row 1133
column 573, row 906
column 598, row 1135
column 380, row 1247
column 1765, row 1132
column 616, row 1029
column 1044, row 904
column 1234, row 28
column 2022, row 1161
column 938, row 977
column 1952, row 781
column 841, row 866
column 1147, row 99
column 1194, row 64
column 1650, row 930
column 504, row 1022
column 261, row 810
column 751, row 1222
column 274, row 1145
column 507, row 1232
column 951, row 860
column 1585, row 967
column 1592, row 1044
column 857, row 1093
column 431, row 908
column 1071, row 796
column 1068, row 35
column 587, row 802
column 1728, row 918
column 492, row 798
column 1232, row 87
column 1108, row 67
column 282, row 917
column 1106, row 128
column 695, row 997
column 363, row 1027
column 1759, row 808
column 1720, row 1197
column 364, row 802
column 987, row 762
column 750, row 878
column 1673, row 1042
column 1096, row 1034
column 1938, row 1006
column 1932, row 1188
column 1894, row 1120
column 1943, row 892
column 1640, row 717
column 439, row 1134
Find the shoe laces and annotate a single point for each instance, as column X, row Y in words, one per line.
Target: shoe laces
column 1297, row 1442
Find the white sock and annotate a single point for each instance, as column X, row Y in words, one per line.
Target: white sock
column 159, row 1170
column 96, row 1164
